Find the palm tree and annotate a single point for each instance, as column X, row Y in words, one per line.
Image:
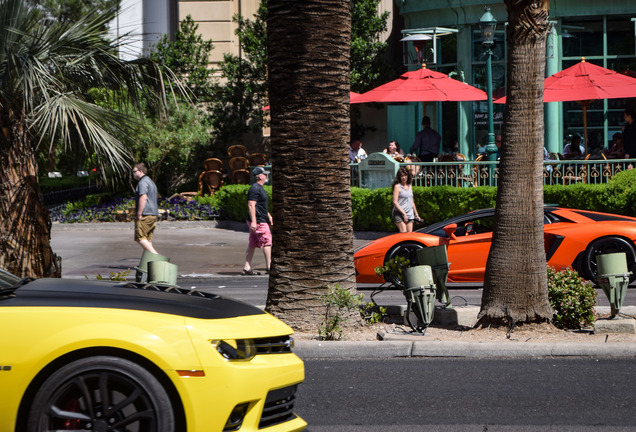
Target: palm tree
column 47, row 71
column 515, row 286
column 308, row 66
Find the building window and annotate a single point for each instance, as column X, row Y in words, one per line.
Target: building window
column 620, row 36
column 582, row 38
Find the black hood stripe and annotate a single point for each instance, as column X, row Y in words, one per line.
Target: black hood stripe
column 86, row 294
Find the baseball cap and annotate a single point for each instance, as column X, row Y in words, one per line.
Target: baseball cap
column 259, row 170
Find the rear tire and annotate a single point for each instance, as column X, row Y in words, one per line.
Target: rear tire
column 406, row 250
column 101, row 393
column 607, row 245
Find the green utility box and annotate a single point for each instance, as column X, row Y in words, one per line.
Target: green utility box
column 419, row 291
column 378, row 170
column 613, row 278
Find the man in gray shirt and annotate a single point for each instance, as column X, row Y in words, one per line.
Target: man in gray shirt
column 147, row 208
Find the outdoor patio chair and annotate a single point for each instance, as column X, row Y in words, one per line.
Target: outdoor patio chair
column 213, row 164
column 214, row 180
column 239, row 163
column 237, row 150
column 241, row 176
column 258, row 159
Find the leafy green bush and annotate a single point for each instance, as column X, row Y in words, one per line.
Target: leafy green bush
column 372, row 208
column 572, row 298
column 337, row 301
column 394, row 266
column 232, row 200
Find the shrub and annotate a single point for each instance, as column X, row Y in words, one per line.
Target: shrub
column 394, row 267
column 339, row 304
column 337, row 301
column 572, row 298
column 232, row 200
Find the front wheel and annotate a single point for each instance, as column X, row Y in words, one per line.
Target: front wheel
column 406, row 250
column 101, row 393
column 608, row 245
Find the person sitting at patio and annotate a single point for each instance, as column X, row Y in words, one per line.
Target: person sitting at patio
column 394, row 150
column 573, row 150
column 427, row 142
column 356, row 152
column 617, row 150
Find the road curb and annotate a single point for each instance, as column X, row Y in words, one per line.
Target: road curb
column 457, row 349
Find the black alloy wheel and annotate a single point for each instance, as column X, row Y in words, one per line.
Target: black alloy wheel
column 608, row 245
column 406, row 250
column 101, row 393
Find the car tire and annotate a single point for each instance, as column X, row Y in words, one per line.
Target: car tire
column 406, row 250
column 607, row 245
column 101, row 393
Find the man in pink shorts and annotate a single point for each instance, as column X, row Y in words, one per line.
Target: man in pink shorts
column 258, row 222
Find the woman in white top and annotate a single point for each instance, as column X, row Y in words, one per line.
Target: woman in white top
column 404, row 211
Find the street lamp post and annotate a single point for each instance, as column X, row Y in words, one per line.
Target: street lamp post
column 487, row 25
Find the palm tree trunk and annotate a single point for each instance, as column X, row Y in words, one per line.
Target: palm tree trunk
column 309, row 96
column 515, row 286
column 25, row 225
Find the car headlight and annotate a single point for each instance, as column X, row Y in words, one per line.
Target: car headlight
column 238, row 349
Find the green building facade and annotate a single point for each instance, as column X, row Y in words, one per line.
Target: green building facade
column 604, row 32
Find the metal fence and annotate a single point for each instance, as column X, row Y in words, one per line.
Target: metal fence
column 486, row 173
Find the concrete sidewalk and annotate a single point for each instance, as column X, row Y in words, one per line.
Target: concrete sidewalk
column 209, row 249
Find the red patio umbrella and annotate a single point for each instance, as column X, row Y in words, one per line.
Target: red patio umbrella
column 422, row 85
column 583, row 83
column 352, row 95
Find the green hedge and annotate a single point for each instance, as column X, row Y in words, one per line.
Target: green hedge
column 372, row 208
column 232, row 200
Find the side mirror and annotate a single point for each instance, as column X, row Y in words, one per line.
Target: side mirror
column 450, row 230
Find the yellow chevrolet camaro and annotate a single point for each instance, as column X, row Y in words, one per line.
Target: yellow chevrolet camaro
column 111, row 356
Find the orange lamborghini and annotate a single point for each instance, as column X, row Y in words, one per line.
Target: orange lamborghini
column 573, row 238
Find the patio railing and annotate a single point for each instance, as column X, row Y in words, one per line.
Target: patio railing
column 486, row 173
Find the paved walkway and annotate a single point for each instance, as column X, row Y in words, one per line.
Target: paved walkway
column 201, row 249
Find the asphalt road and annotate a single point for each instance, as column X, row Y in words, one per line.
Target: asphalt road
column 469, row 395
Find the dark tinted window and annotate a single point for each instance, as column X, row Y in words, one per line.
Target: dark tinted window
column 603, row 217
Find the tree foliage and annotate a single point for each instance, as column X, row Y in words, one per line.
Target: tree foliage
column 71, row 11
column 369, row 66
column 187, row 56
column 239, row 101
column 173, row 148
column 238, row 104
column 48, row 70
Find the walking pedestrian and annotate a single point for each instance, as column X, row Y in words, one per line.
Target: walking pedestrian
column 258, row 222
column 147, row 209
column 404, row 210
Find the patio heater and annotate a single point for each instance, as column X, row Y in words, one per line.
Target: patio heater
column 613, row 278
column 418, row 40
column 487, row 25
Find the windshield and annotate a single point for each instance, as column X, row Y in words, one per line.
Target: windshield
column 8, row 280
